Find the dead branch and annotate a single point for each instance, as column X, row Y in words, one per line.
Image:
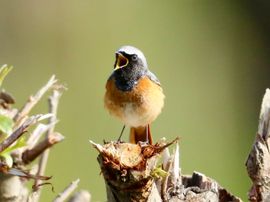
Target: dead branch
column 30, row 155
column 37, row 133
column 14, row 157
column 67, row 191
column 19, row 132
column 33, row 100
column 53, row 105
column 81, row 196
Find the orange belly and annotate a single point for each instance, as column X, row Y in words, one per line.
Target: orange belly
column 138, row 107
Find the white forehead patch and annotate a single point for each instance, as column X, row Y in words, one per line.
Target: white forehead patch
column 132, row 50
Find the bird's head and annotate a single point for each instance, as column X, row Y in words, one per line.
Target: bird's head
column 129, row 57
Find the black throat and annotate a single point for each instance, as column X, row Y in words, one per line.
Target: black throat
column 126, row 78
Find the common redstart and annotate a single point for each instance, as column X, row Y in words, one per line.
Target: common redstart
column 134, row 94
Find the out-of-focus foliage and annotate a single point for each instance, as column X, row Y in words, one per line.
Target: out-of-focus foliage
column 6, row 126
column 212, row 59
column 4, row 70
column 6, row 123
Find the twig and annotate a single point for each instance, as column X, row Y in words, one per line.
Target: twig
column 19, row 132
column 30, row 155
column 33, row 100
column 13, row 137
column 37, row 133
column 67, row 191
column 53, row 105
column 81, row 196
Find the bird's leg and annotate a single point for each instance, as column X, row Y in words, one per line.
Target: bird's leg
column 148, row 138
column 149, row 135
column 119, row 139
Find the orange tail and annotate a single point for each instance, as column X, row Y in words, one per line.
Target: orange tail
column 140, row 134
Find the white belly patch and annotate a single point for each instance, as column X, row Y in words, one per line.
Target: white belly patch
column 132, row 117
column 135, row 118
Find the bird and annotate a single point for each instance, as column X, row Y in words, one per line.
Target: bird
column 134, row 94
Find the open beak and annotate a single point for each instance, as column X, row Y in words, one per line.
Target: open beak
column 121, row 61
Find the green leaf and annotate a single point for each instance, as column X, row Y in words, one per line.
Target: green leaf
column 3, row 136
column 4, row 70
column 21, row 142
column 8, row 159
column 159, row 173
column 6, row 124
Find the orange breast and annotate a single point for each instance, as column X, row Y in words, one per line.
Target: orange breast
column 137, row 107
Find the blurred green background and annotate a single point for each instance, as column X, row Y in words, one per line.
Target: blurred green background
column 212, row 58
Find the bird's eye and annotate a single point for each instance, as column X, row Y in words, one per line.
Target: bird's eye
column 134, row 57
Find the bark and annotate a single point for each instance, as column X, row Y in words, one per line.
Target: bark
column 12, row 189
column 67, row 191
column 258, row 162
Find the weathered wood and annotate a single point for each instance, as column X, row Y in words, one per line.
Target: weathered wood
column 132, row 173
column 258, row 162
column 81, row 196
